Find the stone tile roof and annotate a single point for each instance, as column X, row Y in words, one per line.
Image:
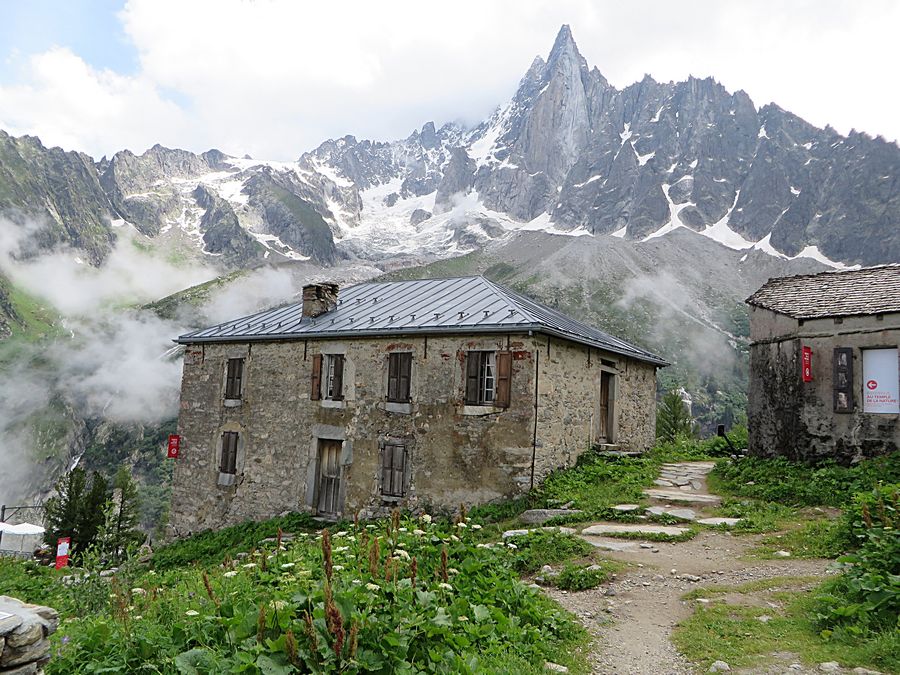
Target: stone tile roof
column 870, row 290
column 470, row 305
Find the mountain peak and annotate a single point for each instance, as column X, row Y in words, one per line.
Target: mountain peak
column 564, row 48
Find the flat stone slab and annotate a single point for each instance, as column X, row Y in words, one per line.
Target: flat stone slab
column 520, row 533
column 605, row 544
column 619, row 528
column 680, row 513
column 720, row 521
column 626, row 508
column 682, row 496
column 539, row 516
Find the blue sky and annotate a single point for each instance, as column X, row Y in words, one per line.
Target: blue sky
column 273, row 78
column 90, row 28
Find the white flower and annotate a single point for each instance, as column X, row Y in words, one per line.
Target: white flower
column 418, row 533
column 373, row 587
column 279, row 605
column 512, row 545
column 452, row 570
column 401, row 544
column 482, row 546
column 370, row 527
column 192, row 612
column 342, row 533
column 453, row 537
column 401, row 529
column 356, row 581
column 337, row 568
column 426, row 518
column 153, row 572
column 462, row 617
column 248, row 565
column 232, row 573
column 287, row 566
column 461, row 524
column 446, row 587
column 400, row 553
column 341, row 549
column 138, row 617
column 138, row 591
column 476, row 526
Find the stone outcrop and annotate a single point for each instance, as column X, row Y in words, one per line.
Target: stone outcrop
column 24, row 633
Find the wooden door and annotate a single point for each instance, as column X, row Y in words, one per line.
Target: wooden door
column 603, row 435
column 328, row 501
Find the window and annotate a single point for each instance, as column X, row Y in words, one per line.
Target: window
column 330, row 383
column 234, row 376
column 393, row 469
column 399, row 371
column 228, row 463
column 488, row 378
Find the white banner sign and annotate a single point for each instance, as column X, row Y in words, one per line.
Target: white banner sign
column 881, row 381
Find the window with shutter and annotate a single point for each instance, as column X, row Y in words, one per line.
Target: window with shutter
column 228, row 462
column 504, row 376
column 234, row 376
column 486, row 383
column 334, row 377
column 393, row 470
column 316, row 382
column 399, row 376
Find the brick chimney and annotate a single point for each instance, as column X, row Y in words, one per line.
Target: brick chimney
column 319, row 298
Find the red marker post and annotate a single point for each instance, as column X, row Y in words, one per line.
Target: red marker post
column 174, row 446
column 807, row 364
column 62, row 552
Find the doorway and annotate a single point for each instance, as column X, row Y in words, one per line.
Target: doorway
column 329, row 487
column 604, row 426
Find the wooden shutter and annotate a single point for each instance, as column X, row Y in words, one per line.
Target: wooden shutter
column 337, row 378
column 393, row 469
column 504, row 377
column 404, row 373
column 473, row 366
column 393, row 392
column 228, row 463
column 316, row 383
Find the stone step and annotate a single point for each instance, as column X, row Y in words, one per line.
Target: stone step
column 540, row 516
column 620, row 528
column 730, row 522
column 682, row 497
column 680, row 513
column 626, row 508
column 607, row 544
column 519, row 533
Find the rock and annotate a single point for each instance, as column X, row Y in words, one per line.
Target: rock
column 782, row 554
column 9, row 622
column 719, row 667
column 830, row 667
column 693, row 578
column 555, row 667
column 540, row 516
column 26, row 654
column 611, row 592
column 646, row 545
column 615, row 528
column 865, row 671
column 626, row 508
column 764, row 618
column 730, row 522
column 26, row 669
column 419, row 216
column 520, row 533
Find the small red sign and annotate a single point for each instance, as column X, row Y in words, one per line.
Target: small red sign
column 174, row 446
column 62, row 552
column 872, row 384
column 807, row 364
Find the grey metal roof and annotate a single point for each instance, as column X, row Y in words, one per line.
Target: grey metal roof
column 425, row 306
column 870, row 290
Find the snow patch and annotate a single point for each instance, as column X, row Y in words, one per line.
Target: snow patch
column 655, row 118
column 620, row 233
column 722, row 233
column 794, row 191
column 625, row 135
column 762, row 132
column 674, row 221
column 589, row 180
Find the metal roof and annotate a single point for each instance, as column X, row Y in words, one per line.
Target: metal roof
column 870, row 290
column 425, row 306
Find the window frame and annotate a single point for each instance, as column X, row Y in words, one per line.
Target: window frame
column 229, row 454
column 390, row 474
column 488, row 375
column 234, row 381
column 399, row 377
column 333, row 377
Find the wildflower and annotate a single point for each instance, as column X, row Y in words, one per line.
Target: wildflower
column 400, row 544
column 426, row 518
column 248, row 565
column 400, row 553
column 232, row 573
column 476, row 526
column 138, row 591
column 192, row 612
column 341, row 549
column 370, row 527
column 137, row 617
column 512, row 545
column 153, row 572
column 452, row 570
column 453, row 537
column 461, row 524
column 287, row 566
column 462, row 617
column 445, row 586
column 418, row 532
column 337, row 568
column 356, row 582
column 342, row 533
column 373, row 587
column 279, row 605
column 402, row 529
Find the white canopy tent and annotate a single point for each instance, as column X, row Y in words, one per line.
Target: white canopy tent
column 23, row 530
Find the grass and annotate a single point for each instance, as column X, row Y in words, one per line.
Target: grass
column 584, row 577
column 735, row 634
column 822, row 538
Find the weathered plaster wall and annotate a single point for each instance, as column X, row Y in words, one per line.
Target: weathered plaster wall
column 457, row 454
column 796, row 419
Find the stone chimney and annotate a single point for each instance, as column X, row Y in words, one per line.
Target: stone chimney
column 319, row 298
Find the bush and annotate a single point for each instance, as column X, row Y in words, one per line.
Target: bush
column 581, row 577
column 545, row 547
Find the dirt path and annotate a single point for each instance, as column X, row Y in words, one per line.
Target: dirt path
column 634, row 616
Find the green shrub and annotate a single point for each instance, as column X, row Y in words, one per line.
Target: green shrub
column 581, row 577
column 545, row 547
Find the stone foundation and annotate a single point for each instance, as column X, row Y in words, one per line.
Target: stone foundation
column 24, row 636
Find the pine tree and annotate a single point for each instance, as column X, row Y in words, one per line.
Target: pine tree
column 673, row 419
column 126, row 533
column 91, row 511
column 62, row 512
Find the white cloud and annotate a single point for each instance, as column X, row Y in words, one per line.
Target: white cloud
column 274, row 78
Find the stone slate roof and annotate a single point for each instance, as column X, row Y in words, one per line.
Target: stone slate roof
column 870, row 290
column 470, row 305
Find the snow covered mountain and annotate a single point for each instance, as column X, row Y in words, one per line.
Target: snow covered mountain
column 568, row 154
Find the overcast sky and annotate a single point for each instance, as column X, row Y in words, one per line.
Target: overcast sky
column 275, row 78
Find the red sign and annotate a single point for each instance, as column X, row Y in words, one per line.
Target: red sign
column 807, row 364
column 62, row 552
column 872, row 384
column 174, row 446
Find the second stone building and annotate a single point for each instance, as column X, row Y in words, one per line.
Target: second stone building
column 430, row 393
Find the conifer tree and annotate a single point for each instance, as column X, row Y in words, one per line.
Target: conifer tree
column 63, row 511
column 126, row 532
column 673, row 419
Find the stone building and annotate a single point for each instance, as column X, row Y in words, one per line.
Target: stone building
column 426, row 393
column 824, row 365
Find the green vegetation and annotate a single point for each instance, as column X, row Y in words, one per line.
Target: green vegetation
column 545, row 547
column 673, row 421
column 398, row 596
column 583, row 577
column 169, row 306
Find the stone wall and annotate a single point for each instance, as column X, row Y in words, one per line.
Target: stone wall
column 456, row 453
column 796, row 419
column 24, row 633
